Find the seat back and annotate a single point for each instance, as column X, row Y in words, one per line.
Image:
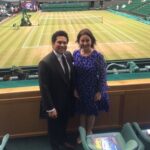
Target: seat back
column 131, row 145
column 4, row 141
column 129, row 134
column 142, row 136
column 83, row 138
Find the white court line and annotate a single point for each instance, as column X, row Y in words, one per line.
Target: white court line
column 100, row 43
column 73, row 31
column 28, row 37
column 41, row 35
column 116, row 43
column 62, row 18
column 129, row 37
column 133, row 40
column 36, row 46
column 72, row 28
column 105, row 30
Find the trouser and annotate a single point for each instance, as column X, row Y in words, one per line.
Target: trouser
column 57, row 130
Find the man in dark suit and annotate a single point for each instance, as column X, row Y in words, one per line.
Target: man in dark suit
column 55, row 79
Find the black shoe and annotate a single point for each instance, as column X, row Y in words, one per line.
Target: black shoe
column 69, row 146
column 61, row 147
column 55, row 147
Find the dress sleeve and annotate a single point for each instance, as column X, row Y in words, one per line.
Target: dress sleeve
column 74, row 70
column 102, row 74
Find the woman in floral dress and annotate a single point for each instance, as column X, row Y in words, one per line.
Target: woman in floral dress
column 90, row 80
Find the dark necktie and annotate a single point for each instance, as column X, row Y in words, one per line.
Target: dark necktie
column 65, row 67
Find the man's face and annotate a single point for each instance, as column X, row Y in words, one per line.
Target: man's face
column 60, row 45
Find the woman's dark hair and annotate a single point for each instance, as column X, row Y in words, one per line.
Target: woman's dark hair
column 59, row 33
column 88, row 33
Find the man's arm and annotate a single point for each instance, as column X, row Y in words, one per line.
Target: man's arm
column 47, row 102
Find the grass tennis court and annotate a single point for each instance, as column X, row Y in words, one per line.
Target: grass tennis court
column 117, row 37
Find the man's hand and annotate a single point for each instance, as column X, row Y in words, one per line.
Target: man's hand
column 53, row 114
column 76, row 95
column 97, row 96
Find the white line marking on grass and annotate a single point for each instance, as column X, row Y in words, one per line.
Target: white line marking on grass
column 115, row 28
column 28, row 37
column 36, row 46
column 116, row 43
column 72, row 28
column 41, row 35
column 118, row 39
column 99, row 43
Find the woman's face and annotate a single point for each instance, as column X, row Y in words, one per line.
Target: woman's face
column 85, row 42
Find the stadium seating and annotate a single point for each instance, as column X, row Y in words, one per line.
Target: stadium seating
column 143, row 136
column 125, row 140
column 136, row 7
column 145, row 9
column 65, row 6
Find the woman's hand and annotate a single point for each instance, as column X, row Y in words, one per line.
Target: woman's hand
column 76, row 95
column 97, row 96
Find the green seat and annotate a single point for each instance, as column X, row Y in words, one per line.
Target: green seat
column 142, row 135
column 4, row 141
column 83, row 138
column 128, row 134
column 124, row 140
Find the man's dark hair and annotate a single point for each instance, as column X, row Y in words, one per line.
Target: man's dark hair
column 88, row 33
column 59, row 33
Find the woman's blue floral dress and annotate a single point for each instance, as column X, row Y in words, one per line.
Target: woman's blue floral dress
column 89, row 78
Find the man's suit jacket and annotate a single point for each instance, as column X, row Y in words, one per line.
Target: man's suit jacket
column 56, row 90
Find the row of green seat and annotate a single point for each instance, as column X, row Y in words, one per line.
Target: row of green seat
column 65, row 6
column 61, row 5
column 142, row 135
column 136, row 6
column 131, row 137
column 143, row 10
column 2, row 3
column 132, row 6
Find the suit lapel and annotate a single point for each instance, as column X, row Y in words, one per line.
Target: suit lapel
column 70, row 64
column 59, row 68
